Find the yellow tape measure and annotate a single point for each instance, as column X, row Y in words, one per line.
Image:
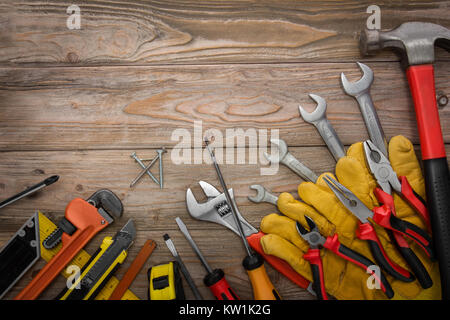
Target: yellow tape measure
column 46, row 227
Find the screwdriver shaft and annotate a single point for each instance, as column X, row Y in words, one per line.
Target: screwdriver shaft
column 231, row 203
column 194, row 246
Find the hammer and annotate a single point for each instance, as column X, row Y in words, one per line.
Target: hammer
column 415, row 41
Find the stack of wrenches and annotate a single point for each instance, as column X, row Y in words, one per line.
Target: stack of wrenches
column 146, row 168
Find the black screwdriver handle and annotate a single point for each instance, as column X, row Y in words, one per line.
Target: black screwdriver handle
column 437, row 184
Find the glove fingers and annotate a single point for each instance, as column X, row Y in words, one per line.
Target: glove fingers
column 283, row 227
column 279, row 247
column 404, row 162
column 324, row 201
column 296, row 210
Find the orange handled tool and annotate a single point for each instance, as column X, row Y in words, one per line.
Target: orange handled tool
column 82, row 221
column 263, row 288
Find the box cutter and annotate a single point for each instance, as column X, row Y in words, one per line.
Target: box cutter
column 216, row 210
column 102, row 265
column 82, row 221
column 19, row 254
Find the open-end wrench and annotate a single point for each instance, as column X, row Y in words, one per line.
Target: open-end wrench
column 360, row 90
column 286, row 158
column 262, row 195
column 319, row 119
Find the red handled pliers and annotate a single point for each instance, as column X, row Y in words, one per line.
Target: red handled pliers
column 384, row 217
column 388, row 181
column 315, row 240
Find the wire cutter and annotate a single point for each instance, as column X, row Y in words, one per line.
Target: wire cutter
column 315, row 240
column 387, row 179
column 388, row 182
column 382, row 216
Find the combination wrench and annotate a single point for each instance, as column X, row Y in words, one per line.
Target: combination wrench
column 319, row 119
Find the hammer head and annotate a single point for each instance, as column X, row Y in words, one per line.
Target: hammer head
column 416, row 40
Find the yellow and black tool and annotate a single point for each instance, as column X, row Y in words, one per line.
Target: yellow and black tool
column 102, row 265
column 165, row 282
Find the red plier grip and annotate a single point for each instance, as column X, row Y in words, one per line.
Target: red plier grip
column 318, row 285
column 414, row 200
column 383, row 216
column 332, row 243
column 367, row 232
column 281, row 266
column 402, row 245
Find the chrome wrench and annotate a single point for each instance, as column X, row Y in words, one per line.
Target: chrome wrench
column 360, row 90
column 318, row 118
column 286, row 158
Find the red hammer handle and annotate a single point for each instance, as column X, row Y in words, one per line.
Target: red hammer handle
column 437, row 179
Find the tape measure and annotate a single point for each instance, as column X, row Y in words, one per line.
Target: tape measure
column 46, row 227
column 165, row 282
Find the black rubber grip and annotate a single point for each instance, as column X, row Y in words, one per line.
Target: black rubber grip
column 365, row 263
column 387, row 265
column 317, row 283
column 437, row 184
column 416, row 267
column 413, row 232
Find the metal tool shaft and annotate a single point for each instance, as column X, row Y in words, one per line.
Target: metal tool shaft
column 183, row 268
column 194, row 246
column 230, row 202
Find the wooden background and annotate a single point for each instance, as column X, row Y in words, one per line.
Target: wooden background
column 77, row 103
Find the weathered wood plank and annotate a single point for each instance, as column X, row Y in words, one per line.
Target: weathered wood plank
column 154, row 32
column 139, row 107
column 153, row 209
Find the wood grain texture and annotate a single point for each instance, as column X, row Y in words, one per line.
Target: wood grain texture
column 160, row 32
column 136, row 107
column 77, row 102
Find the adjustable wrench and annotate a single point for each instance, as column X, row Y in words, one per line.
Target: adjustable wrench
column 286, row 158
column 319, row 119
column 217, row 210
column 360, row 90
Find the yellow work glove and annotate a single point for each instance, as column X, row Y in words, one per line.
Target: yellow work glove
column 343, row 279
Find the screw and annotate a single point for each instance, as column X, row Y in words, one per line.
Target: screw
column 139, row 161
column 442, row 99
column 161, row 179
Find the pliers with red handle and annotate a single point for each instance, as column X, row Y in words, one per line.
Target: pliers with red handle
column 315, row 240
column 388, row 181
column 384, row 217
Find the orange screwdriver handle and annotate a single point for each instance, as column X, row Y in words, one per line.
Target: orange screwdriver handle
column 263, row 288
column 88, row 222
column 280, row 265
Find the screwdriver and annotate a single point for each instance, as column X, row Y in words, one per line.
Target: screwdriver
column 253, row 263
column 29, row 191
column 187, row 275
column 215, row 279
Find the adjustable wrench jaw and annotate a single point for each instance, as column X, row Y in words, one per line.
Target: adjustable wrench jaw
column 216, row 209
